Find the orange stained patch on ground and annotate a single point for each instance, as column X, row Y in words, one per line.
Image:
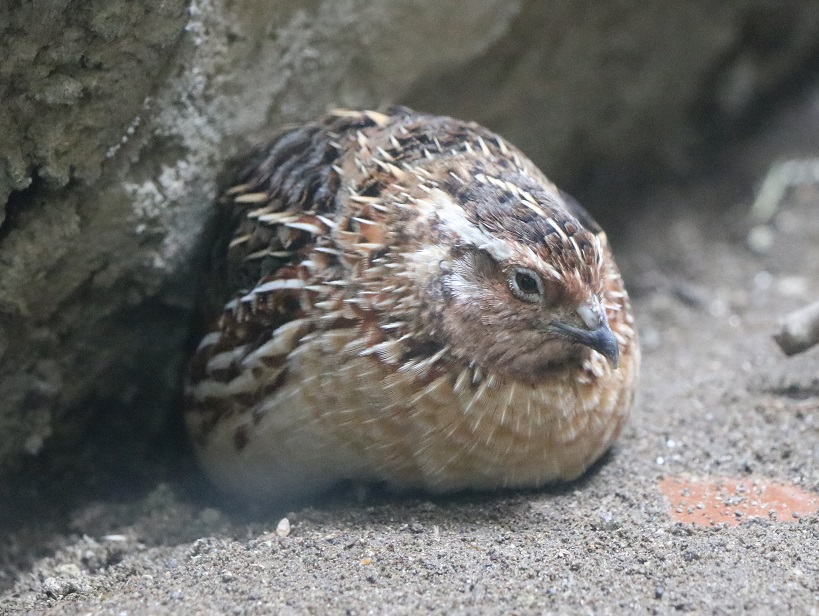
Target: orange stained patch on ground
column 727, row 500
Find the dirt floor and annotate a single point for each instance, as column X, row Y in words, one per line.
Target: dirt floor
column 707, row 504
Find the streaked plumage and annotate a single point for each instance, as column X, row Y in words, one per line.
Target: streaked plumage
column 409, row 300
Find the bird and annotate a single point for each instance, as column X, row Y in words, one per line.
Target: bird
column 405, row 299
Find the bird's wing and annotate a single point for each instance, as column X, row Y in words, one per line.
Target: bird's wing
column 274, row 258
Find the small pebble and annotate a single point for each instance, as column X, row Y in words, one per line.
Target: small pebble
column 283, row 527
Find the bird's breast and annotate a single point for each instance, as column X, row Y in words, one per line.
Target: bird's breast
column 435, row 427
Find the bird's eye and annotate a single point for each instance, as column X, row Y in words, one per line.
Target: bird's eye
column 526, row 284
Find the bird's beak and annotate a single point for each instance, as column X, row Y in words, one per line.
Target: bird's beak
column 598, row 336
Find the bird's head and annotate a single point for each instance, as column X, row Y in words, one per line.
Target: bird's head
column 524, row 289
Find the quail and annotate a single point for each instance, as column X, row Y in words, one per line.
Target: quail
column 405, row 298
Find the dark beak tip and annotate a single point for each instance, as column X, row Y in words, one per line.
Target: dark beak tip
column 601, row 340
column 604, row 342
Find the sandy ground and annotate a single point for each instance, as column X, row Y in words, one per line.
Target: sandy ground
column 707, row 504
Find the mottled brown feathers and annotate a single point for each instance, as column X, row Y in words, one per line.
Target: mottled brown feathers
column 411, row 301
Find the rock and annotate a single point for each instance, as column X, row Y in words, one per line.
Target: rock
column 612, row 91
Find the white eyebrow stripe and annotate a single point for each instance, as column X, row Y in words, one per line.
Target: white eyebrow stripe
column 453, row 219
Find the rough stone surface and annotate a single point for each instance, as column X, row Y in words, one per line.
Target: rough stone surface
column 72, row 75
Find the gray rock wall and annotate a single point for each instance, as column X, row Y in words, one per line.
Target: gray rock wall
column 118, row 116
column 579, row 83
